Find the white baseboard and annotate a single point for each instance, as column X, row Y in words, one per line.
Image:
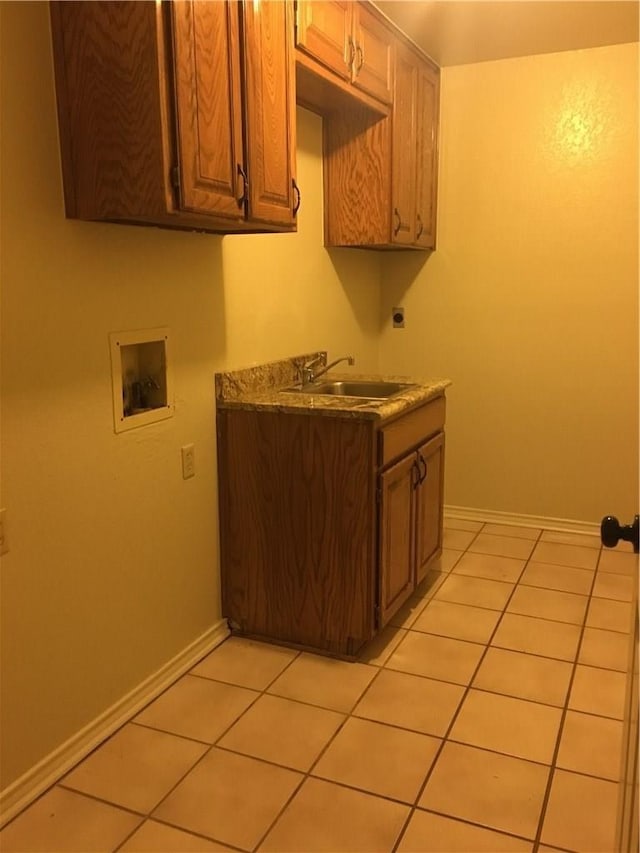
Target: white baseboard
column 37, row 779
column 564, row 525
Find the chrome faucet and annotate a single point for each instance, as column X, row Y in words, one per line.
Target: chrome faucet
column 309, row 375
column 306, row 371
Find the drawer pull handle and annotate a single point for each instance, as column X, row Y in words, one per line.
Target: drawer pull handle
column 415, row 475
column 422, row 461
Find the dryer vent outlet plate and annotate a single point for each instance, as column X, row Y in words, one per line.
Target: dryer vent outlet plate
column 397, row 316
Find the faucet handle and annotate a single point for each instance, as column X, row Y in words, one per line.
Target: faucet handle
column 306, row 370
column 315, row 360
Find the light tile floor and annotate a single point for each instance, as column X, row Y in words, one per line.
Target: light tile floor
column 487, row 716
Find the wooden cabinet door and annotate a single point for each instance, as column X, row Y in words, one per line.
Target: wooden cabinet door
column 111, row 119
column 426, row 152
column 428, row 504
column 270, row 103
column 396, row 539
column 323, row 30
column 403, row 153
column 208, row 107
column 373, row 58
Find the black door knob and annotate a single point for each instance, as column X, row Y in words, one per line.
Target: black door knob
column 611, row 531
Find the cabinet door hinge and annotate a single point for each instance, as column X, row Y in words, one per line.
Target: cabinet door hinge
column 174, row 177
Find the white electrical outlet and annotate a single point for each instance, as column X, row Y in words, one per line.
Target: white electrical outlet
column 188, row 461
column 4, row 545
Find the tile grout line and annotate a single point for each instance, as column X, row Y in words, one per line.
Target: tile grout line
column 483, row 826
column 565, row 710
column 454, row 718
column 307, row 775
column 148, row 815
column 229, row 727
column 211, row 747
column 350, row 714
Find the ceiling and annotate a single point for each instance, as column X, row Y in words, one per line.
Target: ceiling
column 457, row 32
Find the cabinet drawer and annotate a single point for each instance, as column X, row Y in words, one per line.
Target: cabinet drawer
column 400, row 436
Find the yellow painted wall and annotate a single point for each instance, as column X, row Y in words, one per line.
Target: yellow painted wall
column 530, row 303
column 113, row 564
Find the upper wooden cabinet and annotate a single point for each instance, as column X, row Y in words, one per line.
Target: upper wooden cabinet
column 177, row 114
column 381, row 173
column 323, row 30
column 413, row 151
column 270, row 111
column 427, row 109
column 404, row 148
column 351, row 40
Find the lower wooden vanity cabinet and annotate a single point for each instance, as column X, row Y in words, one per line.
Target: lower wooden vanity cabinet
column 410, row 489
column 397, row 536
column 410, row 523
column 429, row 494
column 327, row 523
column 297, row 528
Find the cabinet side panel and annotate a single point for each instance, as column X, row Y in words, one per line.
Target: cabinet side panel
column 297, row 512
column 270, row 109
column 357, row 177
column 233, row 600
column 109, row 111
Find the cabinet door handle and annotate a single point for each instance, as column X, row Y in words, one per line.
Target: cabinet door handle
column 243, row 196
column 352, row 53
column 420, row 226
column 359, row 58
column 415, row 474
column 298, row 201
column 422, row 461
column 398, row 221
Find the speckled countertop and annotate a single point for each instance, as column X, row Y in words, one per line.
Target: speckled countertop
column 265, row 387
